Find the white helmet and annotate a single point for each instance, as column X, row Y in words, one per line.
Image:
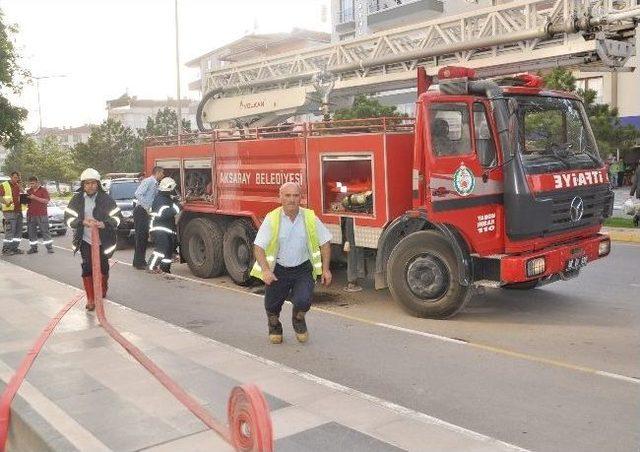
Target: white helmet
column 90, row 173
column 167, row 184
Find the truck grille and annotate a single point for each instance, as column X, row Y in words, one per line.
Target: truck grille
column 597, row 205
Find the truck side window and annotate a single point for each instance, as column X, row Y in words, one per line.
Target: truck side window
column 450, row 129
column 484, row 142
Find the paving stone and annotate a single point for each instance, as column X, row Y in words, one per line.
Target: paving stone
column 333, row 437
column 291, row 420
column 206, row 441
column 138, row 435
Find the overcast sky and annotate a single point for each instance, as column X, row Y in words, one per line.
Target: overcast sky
column 107, row 47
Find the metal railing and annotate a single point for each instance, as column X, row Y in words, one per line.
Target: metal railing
column 295, row 130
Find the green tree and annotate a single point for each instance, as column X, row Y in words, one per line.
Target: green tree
column 367, row 107
column 165, row 122
column 11, row 116
column 46, row 160
column 111, row 148
column 25, row 157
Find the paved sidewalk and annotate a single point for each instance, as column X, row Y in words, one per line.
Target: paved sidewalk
column 84, row 392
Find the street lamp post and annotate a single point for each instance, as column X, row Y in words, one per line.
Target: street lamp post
column 37, row 79
column 179, row 108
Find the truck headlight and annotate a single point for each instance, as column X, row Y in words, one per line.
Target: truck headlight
column 604, row 248
column 536, row 266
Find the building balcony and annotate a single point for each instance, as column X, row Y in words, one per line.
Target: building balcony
column 345, row 20
column 384, row 14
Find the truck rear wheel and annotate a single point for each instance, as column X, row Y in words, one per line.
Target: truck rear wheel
column 238, row 251
column 202, row 248
column 422, row 275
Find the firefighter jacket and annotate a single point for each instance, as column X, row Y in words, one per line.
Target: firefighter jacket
column 313, row 242
column 9, row 195
column 163, row 213
column 105, row 210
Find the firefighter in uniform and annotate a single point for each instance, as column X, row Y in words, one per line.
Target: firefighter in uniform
column 292, row 249
column 163, row 226
column 89, row 207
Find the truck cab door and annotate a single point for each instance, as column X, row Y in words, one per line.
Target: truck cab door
column 464, row 183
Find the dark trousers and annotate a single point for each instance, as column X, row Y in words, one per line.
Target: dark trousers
column 85, row 252
column 295, row 284
column 41, row 223
column 163, row 254
column 13, row 230
column 141, row 226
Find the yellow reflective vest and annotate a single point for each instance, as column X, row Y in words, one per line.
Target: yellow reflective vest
column 273, row 246
column 8, row 196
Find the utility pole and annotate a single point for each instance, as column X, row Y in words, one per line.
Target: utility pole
column 37, row 79
column 179, row 108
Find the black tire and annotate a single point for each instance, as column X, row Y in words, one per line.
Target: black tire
column 525, row 285
column 422, row 273
column 202, row 248
column 238, row 251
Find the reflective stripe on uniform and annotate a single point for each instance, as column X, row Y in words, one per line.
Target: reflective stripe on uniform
column 117, row 221
column 69, row 221
column 71, row 212
column 156, row 256
column 166, row 261
column 161, row 228
column 48, row 242
column 114, row 211
column 33, row 243
column 110, row 249
column 176, row 208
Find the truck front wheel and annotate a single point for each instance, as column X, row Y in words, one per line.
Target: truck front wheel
column 202, row 248
column 422, row 275
column 238, row 251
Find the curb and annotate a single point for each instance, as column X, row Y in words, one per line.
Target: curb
column 629, row 235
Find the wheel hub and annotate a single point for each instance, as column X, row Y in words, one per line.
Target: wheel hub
column 427, row 277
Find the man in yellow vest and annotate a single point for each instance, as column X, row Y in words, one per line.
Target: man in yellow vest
column 292, row 248
column 12, row 212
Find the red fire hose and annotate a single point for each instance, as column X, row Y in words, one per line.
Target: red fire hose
column 250, row 427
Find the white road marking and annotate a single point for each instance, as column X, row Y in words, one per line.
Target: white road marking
column 485, row 347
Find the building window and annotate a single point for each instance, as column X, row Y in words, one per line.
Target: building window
column 346, row 11
column 592, row 83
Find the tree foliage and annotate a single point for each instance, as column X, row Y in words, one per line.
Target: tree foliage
column 609, row 132
column 111, row 148
column 367, row 107
column 46, row 160
column 11, row 116
column 165, row 122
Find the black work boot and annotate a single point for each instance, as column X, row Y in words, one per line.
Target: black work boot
column 275, row 329
column 32, row 250
column 300, row 326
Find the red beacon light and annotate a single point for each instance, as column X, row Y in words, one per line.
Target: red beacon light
column 450, row 72
column 530, row 81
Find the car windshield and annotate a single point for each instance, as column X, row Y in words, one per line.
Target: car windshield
column 123, row 190
column 555, row 135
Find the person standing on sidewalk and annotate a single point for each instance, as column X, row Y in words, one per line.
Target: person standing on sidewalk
column 163, row 225
column 12, row 212
column 635, row 189
column 92, row 207
column 290, row 271
column 37, row 216
column 144, row 196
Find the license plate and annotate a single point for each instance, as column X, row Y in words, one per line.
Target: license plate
column 575, row 263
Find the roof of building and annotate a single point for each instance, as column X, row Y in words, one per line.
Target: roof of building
column 253, row 45
column 45, row 131
column 132, row 101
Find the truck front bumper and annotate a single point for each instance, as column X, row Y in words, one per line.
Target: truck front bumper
column 550, row 264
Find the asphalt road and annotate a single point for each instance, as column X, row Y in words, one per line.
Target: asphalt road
column 553, row 369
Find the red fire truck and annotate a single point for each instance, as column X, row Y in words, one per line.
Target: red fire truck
column 496, row 183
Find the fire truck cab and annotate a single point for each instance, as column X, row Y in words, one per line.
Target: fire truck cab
column 495, row 183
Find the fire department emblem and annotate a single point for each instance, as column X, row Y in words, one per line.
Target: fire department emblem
column 464, row 181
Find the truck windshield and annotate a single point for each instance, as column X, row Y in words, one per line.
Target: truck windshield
column 555, row 135
column 123, row 190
